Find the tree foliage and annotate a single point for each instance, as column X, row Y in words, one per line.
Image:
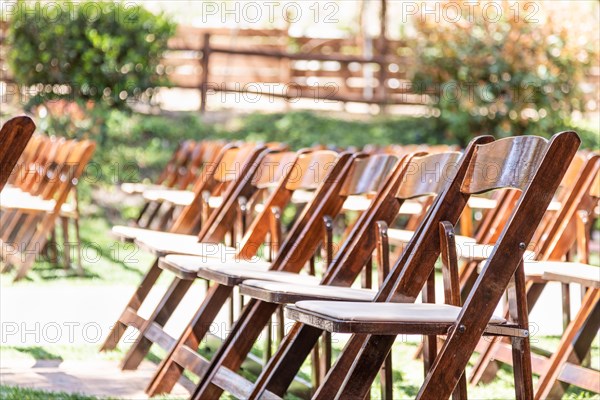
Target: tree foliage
column 502, row 73
column 99, row 51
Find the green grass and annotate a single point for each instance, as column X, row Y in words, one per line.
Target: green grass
column 17, row 393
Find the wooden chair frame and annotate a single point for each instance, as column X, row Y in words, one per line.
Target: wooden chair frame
column 298, row 247
column 555, row 242
column 355, row 369
column 216, row 226
column 406, row 182
column 28, row 229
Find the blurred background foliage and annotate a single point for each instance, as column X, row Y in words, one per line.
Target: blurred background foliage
column 514, row 72
column 520, row 77
column 98, row 51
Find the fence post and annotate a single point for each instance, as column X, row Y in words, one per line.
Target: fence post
column 204, row 77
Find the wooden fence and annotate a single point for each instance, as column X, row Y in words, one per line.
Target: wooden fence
column 268, row 62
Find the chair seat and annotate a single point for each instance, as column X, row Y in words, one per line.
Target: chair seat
column 386, row 312
column 138, row 188
column 14, row 198
column 570, row 272
column 130, row 233
column 187, row 267
column 287, row 293
column 234, row 272
column 163, row 243
column 356, row 203
column 179, row 197
column 400, row 236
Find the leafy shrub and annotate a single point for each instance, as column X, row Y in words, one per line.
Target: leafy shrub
column 99, row 51
column 502, row 75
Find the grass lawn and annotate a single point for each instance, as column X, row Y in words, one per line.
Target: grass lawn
column 108, row 262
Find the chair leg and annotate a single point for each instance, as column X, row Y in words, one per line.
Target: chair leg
column 387, row 381
column 80, row 270
column 66, row 245
column 160, row 316
column 133, row 305
column 565, row 348
column 170, row 371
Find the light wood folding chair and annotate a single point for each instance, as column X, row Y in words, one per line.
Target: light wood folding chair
column 578, row 336
column 14, row 136
column 266, row 174
column 553, row 242
column 227, row 178
column 325, row 173
column 35, row 213
column 311, row 166
column 525, row 163
column 407, row 182
column 180, row 172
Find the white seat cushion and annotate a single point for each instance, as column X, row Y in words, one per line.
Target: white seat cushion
column 138, row 188
column 325, row 292
column 246, row 270
column 196, row 263
column 403, row 236
column 569, row 272
column 130, row 232
column 173, row 243
column 386, row 312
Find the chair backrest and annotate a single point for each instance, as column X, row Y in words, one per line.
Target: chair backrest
column 267, row 172
column 369, row 174
column 428, row 175
column 310, row 169
column 14, row 135
column 273, row 168
column 416, row 175
column 232, row 164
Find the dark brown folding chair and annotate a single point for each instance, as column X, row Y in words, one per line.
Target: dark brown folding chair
column 525, row 163
column 405, row 183
column 327, row 176
column 553, row 240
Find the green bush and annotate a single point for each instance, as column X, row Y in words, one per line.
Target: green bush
column 501, row 75
column 100, row 51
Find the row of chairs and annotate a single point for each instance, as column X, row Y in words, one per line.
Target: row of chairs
column 41, row 183
column 530, row 196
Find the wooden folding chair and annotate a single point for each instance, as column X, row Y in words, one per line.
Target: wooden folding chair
column 228, row 178
column 526, row 163
column 553, row 242
column 578, row 336
column 34, row 214
column 179, row 174
column 213, row 181
column 327, row 176
column 311, row 166
column 405, row 183
column 14, row 136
